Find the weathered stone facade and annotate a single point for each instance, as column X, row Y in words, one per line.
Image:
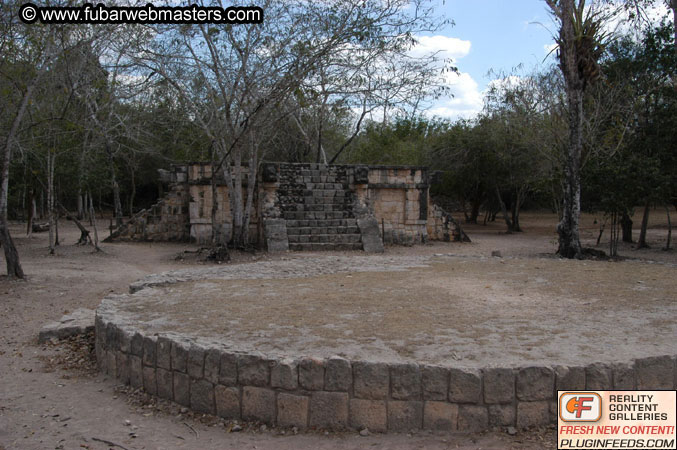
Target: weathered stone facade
column 300, row 207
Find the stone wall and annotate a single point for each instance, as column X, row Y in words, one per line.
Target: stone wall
column 299, row 207
column 339, row 394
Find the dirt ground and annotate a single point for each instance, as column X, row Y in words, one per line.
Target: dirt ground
column 50, row 397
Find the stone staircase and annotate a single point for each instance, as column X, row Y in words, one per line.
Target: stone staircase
column 316, row 203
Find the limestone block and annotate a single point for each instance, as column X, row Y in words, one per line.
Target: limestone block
column 464, row 385
column 179, row 356
column 292, row 411
column 597, row 377
column 501, row 415
column 212, row 364
column 369, row 414
column 440, row 416
column 405, row 381
column 656, row 372
column 338, row 375
column 149, row 381
column 472, row 418
column 165, row 387
column 623, row 376
column 227, row 401
column 311, row 374
column 202, row 397
column 135, row 371
column 164, row 353
column 149, row 350
column 405, row 416
column 535, row 383
column 196, row 361
column 122, row 366
column 329, row 410
column 371, row 380
column 137, row 345
column 228, row 369
column 284, row 374
column 181, row 388
column 80, row 321
column 533, row 414
column 258, row 404
column 253, row 370
column 569, row 378
column 435, row 382
column 499, row 385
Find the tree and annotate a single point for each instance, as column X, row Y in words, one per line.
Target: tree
column 581, row 44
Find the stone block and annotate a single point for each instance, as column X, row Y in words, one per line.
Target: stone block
column 135, row 371
column 292, row 411
column 501, row 415
column 464, row 385
column 196, row 361
column 122, row 366
column 124, row 340
column 212, row 364
column 623, row 376
column 440, row 416
column 569, row 378
column 284, row 374
column 530, row 414
column 472, row 418
column 405, row 416
column 253, row 370
column 435, row 382
column 202, row 397
column 499, row 385
column 227, row 401
column 371, row 380
column 149, row 381
column 329, row 410
column 311, row 374
column 149, row 351
column 228, row 369
column 179, row 356
column 258, row 404
column 164, row 353
column 405, row 381
column 181, row 388
column 111, row 362
column 164, row 384
column 136, row 345
column 598, row 377
column 338, row 375
column 656, row 372
column 371, row 414
column 535, row 383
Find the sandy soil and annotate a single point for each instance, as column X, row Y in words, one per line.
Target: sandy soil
column 457, row 311
column 48, row 398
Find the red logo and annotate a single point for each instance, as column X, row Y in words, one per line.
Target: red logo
column 580, row 406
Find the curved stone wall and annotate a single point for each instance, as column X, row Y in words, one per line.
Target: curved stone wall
column 336, row 393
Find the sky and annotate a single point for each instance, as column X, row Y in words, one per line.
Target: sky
column 488, row 36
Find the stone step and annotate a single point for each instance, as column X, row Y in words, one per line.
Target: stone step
column 322, row 230
column 309, row 186
column 314, row 247
column 324, row 238
column 322, row 223
column 317, row 215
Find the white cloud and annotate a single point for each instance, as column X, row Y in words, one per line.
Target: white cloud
column 443, row 46
column 466, row 101
column 548, row 48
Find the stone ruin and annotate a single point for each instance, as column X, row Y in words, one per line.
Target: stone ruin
column 300, row 207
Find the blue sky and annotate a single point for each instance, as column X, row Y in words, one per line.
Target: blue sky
column 488, row 35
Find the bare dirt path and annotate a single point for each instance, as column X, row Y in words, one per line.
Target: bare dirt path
column 46, row 405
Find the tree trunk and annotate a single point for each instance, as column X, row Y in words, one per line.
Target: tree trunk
column 568, row 228
column 669, row 241
column 508, row 222
column 641, row 243
column 31, row 212
column 626, row 227
column 117, row 204
column 50, row 199
column 474, row 211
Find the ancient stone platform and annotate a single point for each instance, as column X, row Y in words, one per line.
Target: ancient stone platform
column 389, row 343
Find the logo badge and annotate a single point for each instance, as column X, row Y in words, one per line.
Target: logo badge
column 580, row 407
